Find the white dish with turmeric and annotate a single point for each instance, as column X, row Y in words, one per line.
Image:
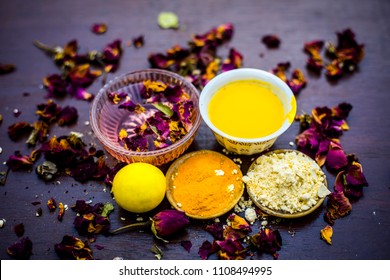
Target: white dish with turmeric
column 286, row 183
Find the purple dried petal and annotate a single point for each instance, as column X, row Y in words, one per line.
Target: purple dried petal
column 271, row 41
column 19, row 162
column 67, row 116
column 21, row 249
column 18, row 130
column 72, row 248
column 186, row 244
column 336, row 159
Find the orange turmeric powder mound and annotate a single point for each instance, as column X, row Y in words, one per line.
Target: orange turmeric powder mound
column 206, row 184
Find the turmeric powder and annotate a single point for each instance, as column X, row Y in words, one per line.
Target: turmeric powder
column 206, row 184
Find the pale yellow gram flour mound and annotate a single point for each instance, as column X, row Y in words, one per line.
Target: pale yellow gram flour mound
column 290, row 182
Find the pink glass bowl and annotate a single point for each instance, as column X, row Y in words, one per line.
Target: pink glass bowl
column 107, row 120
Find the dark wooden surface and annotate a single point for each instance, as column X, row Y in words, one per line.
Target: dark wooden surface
column 364, row 234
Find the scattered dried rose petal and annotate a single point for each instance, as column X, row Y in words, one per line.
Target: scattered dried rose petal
column 230, row 249
column 19, row 129
column 48, row 112
column 267, row 241
column 216, row 230
column 112, row 54
column 138, row 42
column 67, row 116
column 56, row 86
column 351, row 180
column 51, row 204
column 19, row 162
column 326, row 234
column 7, row 68
column 206, row 249
column 19, row 229
column 90, row 219
column 271, row 41
column 61, row 211
column 297, row 81
column 72, row 248
column 345, row 56
column 233, row 61
column 21, row 249
column 315, row 61
column 186, row 244
column 99, row 28
column 239, row 223
column 337, row 206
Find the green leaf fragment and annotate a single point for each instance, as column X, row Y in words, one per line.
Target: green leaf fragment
column 168, row 20
column 107, row 209
column 166, row 110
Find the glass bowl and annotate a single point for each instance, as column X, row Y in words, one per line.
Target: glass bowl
column 278, row 212
column 107, row 120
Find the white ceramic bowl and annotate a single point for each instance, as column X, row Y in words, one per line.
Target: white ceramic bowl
column 248, row 146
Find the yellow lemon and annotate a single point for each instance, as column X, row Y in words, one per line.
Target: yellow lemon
column 139, row 187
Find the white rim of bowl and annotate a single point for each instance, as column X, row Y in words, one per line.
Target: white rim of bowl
column 244, row 74
column 106, row 142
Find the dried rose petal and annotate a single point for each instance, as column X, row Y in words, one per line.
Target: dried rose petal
column 111, row 55
column 72, row 248
column 271, row 41
column 67, row 116
column 48, row 112
column 7, row 68
column 39, row 133
column 239, row 223
column 216, row 230
column 19, row 129
column 19, row 229
column 336, row 159
column 326, row 234
column 186, row 244
column 117, row 97
column 346, row 54
column 315, row 61
column 80, row 93
column 233, row 61
column 99, row 28
column 351, row 180
column 297, row 81
column 136, row 143
column 231, row 249
column 51, row 204
column 138, row 42
column 82, row 75
column 337, row 206
column 90, row 219
column 19, row 162
column 206, row 249
column 56, row 86
column 267, row 241
column 21, row 249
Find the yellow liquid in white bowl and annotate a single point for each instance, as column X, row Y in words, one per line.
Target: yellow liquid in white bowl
column 246, row 109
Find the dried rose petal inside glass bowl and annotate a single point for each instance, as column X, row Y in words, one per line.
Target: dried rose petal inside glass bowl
column 146, row 116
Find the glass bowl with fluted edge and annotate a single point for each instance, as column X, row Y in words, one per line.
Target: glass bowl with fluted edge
column 278, row 212
column 107, row 120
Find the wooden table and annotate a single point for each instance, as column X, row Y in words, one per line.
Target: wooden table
column 364, row 234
